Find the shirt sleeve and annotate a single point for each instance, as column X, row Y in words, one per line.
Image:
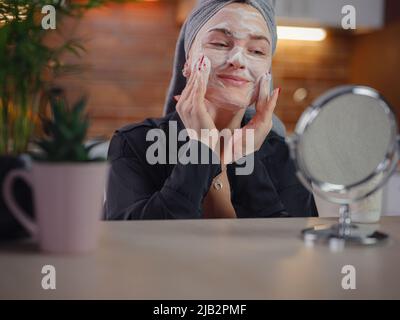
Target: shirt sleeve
column 133, row 194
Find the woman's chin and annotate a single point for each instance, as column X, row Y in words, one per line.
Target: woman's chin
column 229, row 102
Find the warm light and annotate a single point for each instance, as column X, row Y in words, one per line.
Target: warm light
column 7, row 17
column 297, row 33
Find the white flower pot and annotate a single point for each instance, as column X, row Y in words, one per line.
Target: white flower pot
column 68, row 201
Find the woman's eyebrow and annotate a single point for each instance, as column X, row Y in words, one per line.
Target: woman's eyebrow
column 230, row 34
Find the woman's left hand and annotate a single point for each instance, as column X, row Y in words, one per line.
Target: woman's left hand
column 260, row 124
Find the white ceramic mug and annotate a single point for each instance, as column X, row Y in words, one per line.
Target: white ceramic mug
column 368, row 210
column 68, row 201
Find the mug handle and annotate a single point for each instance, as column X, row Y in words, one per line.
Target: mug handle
column 15, row 209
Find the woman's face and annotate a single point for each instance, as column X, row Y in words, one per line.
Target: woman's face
column 238, row 43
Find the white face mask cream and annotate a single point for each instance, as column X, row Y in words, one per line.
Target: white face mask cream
column 237, row 42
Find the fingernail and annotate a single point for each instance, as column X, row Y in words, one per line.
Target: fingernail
column 279, row 90
column 201, row 62
column 204, row 65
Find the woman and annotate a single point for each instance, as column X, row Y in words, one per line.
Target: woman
column 228, row 47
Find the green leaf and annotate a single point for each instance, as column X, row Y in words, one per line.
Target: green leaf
column 67, row 131
column 25, row 57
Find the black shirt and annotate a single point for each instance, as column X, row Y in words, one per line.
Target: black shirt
column 140, row 190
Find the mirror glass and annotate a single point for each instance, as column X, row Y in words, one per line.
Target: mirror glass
column 347, row 141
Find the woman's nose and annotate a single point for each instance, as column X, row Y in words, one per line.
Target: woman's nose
column 236, row 59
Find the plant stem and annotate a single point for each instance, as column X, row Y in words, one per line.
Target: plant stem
column 4, row 124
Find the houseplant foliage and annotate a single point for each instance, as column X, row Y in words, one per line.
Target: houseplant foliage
column 28, row 64
column 68, row 183
column 65, row 133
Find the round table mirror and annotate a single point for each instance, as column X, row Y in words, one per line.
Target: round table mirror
column 345, row 147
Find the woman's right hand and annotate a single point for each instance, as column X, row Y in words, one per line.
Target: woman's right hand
column 191, row 105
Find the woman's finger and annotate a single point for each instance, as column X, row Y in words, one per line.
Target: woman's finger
column 189, row 85
column 268, row 78
column 187, row 93
column 193, row 96
column 202, row 81
column 263, row 93
column 205, row 75
column 270, row 106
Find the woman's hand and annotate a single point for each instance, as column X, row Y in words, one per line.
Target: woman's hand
column 260, row 124
column 191, row 104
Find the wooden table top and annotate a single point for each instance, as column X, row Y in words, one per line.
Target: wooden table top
column 206, row 259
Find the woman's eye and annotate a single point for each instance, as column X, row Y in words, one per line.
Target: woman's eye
column 258, row 52
column 219, row 44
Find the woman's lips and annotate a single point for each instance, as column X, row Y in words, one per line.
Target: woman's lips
column 233, row 80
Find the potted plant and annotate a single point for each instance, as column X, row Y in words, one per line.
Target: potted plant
column 68, row 185
column 28, row 66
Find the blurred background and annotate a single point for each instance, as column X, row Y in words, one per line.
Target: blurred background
column 130, row 50
column 127, row 66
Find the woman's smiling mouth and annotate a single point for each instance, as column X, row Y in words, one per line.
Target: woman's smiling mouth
column 233, row 80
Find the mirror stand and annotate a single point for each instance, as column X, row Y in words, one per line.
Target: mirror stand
column 343, row 232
